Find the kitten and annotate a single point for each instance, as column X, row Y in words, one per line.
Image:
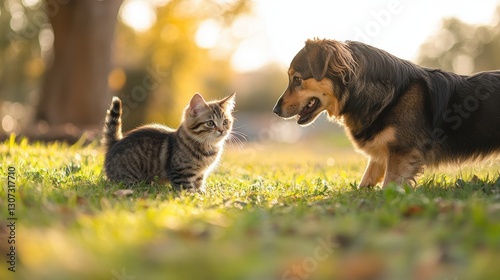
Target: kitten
column 184, row 157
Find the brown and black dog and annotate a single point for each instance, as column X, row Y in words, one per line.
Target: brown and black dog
column 402, row 116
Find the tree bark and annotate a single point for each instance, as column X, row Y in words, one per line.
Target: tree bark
column 75, row 87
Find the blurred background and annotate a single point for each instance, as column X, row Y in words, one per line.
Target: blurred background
column 62, row 60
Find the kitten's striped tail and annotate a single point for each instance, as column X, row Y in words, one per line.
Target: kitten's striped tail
column 112, row 130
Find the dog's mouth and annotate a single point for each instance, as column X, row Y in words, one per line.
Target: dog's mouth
column 306, row 113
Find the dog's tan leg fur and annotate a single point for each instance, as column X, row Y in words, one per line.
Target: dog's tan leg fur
column 378, row 151
column 374, row 174
column 403, row 167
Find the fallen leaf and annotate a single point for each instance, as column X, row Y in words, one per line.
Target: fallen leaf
column 361, row 266
column 122, row 193
column 81, row 200
column 412, row 211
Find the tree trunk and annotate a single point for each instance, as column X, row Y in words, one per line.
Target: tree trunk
column 75, row 87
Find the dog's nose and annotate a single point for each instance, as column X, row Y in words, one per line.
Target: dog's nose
column 277, row 108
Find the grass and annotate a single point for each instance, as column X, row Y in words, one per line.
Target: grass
column 270, row 212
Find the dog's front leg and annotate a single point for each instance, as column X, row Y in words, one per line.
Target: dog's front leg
column 374, row 173
column 403, row 167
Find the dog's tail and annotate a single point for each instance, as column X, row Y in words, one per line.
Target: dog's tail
column 112, row 130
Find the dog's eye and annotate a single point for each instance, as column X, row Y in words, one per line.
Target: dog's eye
column 297, row 81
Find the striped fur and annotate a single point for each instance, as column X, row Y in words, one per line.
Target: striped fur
column 182, row 157
column 112, row 131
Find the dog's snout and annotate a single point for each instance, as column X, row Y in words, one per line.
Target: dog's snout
column 277, row 107
column 277, row 110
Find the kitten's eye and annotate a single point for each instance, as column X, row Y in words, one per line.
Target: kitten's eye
column 210, row 123
column 297, row 81
column 225, row 122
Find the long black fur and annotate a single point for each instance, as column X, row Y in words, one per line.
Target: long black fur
column 381, row 78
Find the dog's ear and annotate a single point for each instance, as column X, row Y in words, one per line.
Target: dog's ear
column 317, row 59
column 330, row 56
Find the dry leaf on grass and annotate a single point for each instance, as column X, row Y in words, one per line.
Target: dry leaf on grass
column 122, row 193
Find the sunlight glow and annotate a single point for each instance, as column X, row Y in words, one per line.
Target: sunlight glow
column 208, row 34
column 18, row 17
column 276, row 30
column 31, row 3
column 46, row 39
column 8, row 123
column 396, row 26
column 250, row 56
column 139, row 15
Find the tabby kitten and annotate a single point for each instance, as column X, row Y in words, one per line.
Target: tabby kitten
column 184, row 157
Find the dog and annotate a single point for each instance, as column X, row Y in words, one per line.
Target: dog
column 402, row 116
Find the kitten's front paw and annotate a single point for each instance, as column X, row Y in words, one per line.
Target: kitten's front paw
column 202, row 190
column 193, row 188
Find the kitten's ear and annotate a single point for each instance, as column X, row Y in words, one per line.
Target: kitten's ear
column 196, row 104
column 229, row 102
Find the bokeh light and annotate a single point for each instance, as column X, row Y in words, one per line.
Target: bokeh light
column 140, row 15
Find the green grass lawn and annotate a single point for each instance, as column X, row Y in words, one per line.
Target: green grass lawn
column 270, row 212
